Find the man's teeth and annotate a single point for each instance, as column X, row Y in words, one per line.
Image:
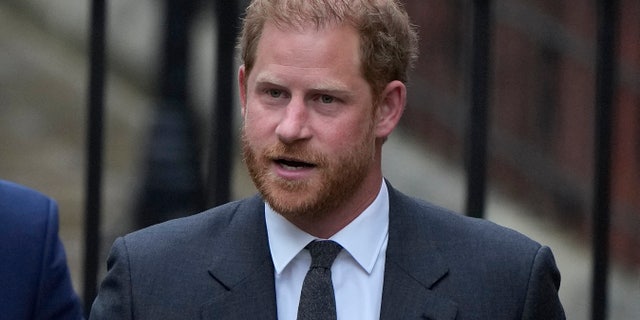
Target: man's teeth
column 289, row 167
column 294, row 165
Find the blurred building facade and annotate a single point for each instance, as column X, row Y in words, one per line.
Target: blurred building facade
column 542, row 105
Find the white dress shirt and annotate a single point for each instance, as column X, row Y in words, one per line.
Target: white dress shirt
column 357, row 273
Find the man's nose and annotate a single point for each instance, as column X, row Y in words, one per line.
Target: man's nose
column 294, row 124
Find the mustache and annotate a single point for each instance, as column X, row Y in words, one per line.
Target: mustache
column 298, row 152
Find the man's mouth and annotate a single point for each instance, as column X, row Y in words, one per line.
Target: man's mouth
column 293, row 164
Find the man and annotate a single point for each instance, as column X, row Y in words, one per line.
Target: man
column 34, row 278
column 322, row 85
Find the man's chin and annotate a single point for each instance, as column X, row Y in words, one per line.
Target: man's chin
column 292, row 204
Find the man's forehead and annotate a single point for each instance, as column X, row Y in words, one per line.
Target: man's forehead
column 337, row 42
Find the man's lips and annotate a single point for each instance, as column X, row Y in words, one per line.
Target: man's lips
column 293, row 164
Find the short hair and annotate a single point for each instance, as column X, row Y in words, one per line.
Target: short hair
column 388, row 40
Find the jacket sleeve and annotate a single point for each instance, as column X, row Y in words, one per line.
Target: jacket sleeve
column 56, row 296
column 542, row 301
column 114, row 297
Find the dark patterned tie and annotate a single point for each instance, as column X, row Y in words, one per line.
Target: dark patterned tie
column 317, row 301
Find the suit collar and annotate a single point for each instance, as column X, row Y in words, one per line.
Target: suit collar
column 363, row 238
column 243, row 266
column 413, row 266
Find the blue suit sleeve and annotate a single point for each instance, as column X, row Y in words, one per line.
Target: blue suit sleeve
column 542, row 301
column 56, row 297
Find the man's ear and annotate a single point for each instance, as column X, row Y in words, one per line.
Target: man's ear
column 390, row 108
column 242, row 87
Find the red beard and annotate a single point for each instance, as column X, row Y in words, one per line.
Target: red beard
column 336, row 181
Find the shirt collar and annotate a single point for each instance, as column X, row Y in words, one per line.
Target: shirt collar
column 370, row 227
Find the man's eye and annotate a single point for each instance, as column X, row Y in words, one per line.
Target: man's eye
column 326, row 99
column 274, row 93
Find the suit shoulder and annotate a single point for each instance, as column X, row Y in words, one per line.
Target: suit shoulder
column 25, row 209
column 210, row 223
column 446, row 226
column 188, row 244
column 8, row 188
column 18, row 199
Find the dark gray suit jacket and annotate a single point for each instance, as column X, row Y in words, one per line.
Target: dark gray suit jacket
column 439, row 265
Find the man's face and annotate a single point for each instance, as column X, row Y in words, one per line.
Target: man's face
column 308, row 135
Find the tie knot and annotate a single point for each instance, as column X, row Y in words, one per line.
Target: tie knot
column 323, row 253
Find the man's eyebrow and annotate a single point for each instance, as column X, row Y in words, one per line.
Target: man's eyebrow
column 266, row 78
column 331, row 87
column 327, row 86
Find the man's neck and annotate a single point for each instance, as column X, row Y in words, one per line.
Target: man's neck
column 326, row 225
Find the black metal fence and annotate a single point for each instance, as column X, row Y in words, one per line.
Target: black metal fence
column 216, row 189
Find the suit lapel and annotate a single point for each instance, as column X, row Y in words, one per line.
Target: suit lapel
column 413, row 267
column 244, row 268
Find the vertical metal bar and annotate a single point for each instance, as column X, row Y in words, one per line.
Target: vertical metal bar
column 220, row 165
column 476, row 156
column 94, row 151
column 605, row 86
column 172, row 185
